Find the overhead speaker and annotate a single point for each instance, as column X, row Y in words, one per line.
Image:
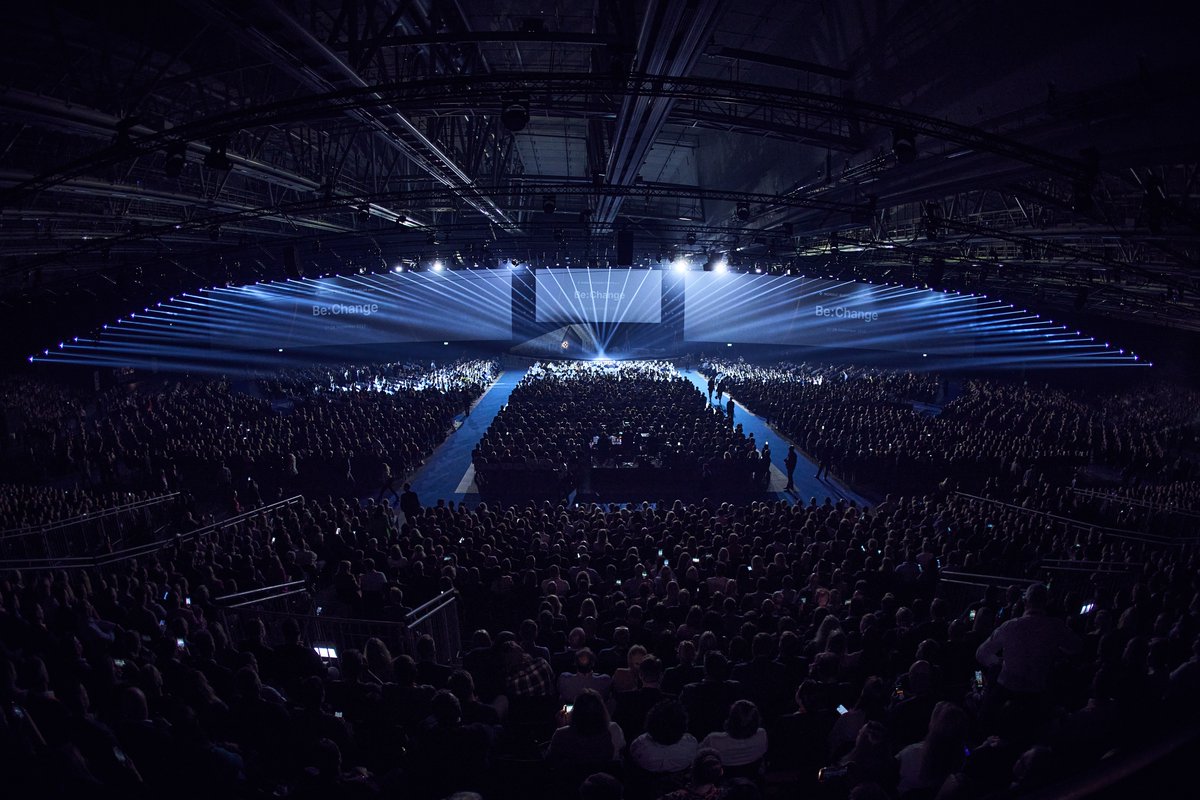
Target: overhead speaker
column 904, row 145
column 625, row 248
column 514, row 113
column 291, row 264
column 937, row 271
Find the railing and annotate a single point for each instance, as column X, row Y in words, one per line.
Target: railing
column 273, row 605
column 960, row 589
column 1080, row 526
column 90, row 516
column 1115, row 497
column 261, row 594
column 83, row 533
column 105, row 559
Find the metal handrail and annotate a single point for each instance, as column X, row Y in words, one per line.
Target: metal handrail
column 1096, row 494
column 430, row 607
column 989, row 579
column 93, row 516
column 1146, row 538
column 104, row 559
column 288, row 585
column 251, row 601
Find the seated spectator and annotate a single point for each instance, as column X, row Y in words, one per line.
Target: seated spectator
column 462, row 685
column 685, row 671
column 570, row 684
column 870, row 760
column 601, row 786
column 429, row 671
column 632, row 706
column 525, row 676
column 708, row 702
column 446, row 753
column 744, row 741
column 704, row 782
column 625, row 679
column 924, row 766
column 589, row 737
column 666, row 746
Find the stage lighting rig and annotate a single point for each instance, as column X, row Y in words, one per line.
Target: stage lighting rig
column 549, row 203
column 743, row 211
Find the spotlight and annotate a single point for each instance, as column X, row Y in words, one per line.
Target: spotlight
column 691, row 238
column 549, row 203
column 721, row 266
column 514, row 112
column 398, row 268
column 680, row 264
column 743, row 211
column 438, row 266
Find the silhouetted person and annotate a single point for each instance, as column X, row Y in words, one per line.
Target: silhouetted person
column 410, row 504
column 789, row 462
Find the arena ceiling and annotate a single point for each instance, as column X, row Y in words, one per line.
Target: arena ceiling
column 1044, row 151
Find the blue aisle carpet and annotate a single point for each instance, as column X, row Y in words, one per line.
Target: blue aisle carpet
column 445, row 474
column 807, row 485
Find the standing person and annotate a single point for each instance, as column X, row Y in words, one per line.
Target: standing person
column 790, row 461
column 712, row 385
column 822, row 458
column 410, row 504
column 389, row 482
column 1026, row 650
column 729, row 410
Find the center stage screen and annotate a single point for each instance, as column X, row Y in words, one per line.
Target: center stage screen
column 364, row 309
column 787, row 310
column 598, row 295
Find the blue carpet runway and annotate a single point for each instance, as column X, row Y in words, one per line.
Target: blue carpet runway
column 807, row 484
column 448, row 473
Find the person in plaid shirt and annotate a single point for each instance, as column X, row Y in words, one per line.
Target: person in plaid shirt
column 526, row 676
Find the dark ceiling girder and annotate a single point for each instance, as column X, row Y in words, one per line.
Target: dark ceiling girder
column 466, row 94
column 271, row 30
column 201, row 223
column 780, row 61
column 673, row 37
column 483, row 37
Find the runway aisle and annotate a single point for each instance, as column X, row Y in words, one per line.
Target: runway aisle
column 448, row 473
column 806, row 481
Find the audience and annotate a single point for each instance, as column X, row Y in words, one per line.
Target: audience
column 933, row 644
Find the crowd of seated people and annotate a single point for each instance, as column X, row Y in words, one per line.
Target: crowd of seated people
column 564, row 418
column 869, row 427
column 791, row 638
column 343, row 429
column 28, row 506
column 45, row 413
column 676, row 649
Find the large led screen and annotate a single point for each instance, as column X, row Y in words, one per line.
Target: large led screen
column 364, row 309
column 598, row 295
column 795, row 310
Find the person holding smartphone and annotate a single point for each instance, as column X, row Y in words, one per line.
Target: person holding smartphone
column 1026, row 650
